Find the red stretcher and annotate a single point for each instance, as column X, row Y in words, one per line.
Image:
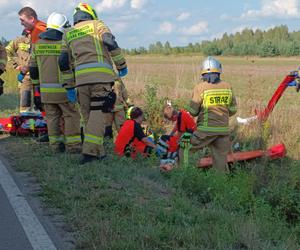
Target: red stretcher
column 275, row 152
column 24, row 124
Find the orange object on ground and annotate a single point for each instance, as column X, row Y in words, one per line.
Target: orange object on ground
column 38, row 29
column 275, row 152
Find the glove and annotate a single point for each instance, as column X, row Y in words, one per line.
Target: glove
column 123, row 72
column 71, row 94
column 292, row 84
column 185, row 140
column 21, row 77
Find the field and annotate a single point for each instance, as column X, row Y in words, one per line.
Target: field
column 121, row 204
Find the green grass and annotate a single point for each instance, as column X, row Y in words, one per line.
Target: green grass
column 121, row 204
column 125, row 204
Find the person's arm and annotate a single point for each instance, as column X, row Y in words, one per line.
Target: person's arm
column 33, row 68
column 11, row 49
column 196, row 102
column 174, row 130
column 66, row 64
column 3, row 59
column 148, row 142
column 112, row 46
column 233, row 106
column 140, row 135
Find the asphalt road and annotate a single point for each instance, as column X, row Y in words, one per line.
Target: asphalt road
column 12, row 235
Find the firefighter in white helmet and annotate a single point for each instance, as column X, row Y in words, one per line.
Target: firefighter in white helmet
column 213, row 103
column 59, row 102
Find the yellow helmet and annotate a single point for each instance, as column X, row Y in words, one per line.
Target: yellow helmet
column 86, row 8
column 128, row 113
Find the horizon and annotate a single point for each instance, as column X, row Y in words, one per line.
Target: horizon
column 139, row 23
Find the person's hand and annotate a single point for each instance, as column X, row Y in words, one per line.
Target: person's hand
column 71, row 94
column 123, row 72
column 21, row 77
column 24, row 69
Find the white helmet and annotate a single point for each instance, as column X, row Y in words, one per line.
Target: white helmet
column 57, row 21
column 211, row 65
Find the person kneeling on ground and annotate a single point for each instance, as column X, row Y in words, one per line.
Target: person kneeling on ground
column 131, row 139
column 179, row 139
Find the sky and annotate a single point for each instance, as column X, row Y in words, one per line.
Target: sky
column 138, row 23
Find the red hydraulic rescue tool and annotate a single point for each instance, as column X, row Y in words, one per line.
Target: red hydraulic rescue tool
column 291, row 80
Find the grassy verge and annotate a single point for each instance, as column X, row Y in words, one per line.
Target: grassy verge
column 125, row 204
column 121, row 204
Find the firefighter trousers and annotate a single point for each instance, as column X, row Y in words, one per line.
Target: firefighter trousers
column 67, row 112
column 219, row 145
column 25, row 94
column 95, row 120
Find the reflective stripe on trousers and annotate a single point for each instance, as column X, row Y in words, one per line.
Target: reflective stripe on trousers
column 73, row 139
column 98, row 140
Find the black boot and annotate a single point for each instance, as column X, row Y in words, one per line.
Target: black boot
column 43, row 138
column 87, row 158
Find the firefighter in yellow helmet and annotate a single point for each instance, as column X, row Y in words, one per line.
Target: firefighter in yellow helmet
column 18, row 53
column 57, row 102
column 3, row 61
column 213, row 103
column 90, row 49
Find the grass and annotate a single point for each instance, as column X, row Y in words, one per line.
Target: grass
column 125, row 204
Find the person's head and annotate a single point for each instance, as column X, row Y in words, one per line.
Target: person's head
column 170, row 113
column 28, row 18
column 57, row 21
column 137, row 114
column 211, row 70
column 84, row 12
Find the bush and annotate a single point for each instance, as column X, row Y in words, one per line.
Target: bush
column 153, row 109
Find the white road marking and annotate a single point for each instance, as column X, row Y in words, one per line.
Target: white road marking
column 34, row 230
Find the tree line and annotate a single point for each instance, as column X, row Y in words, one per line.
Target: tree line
column 277, row 41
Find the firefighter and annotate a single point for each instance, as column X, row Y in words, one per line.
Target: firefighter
column 180, row 135
column 90, row 47
column 44, row 68
column 213, row 103
column 3, row 61
column 131, row 139
column 18, row 52
column 29, row 20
